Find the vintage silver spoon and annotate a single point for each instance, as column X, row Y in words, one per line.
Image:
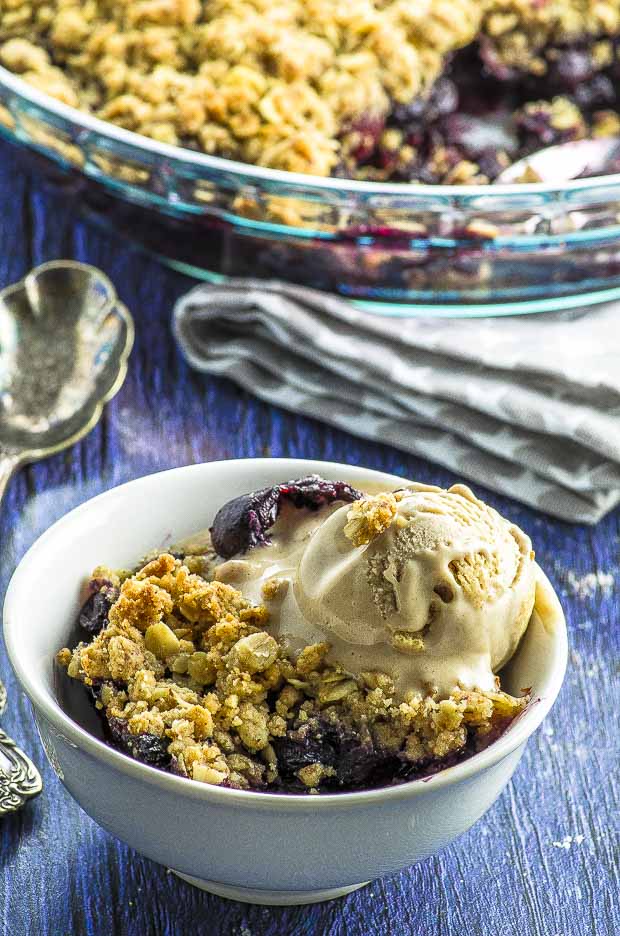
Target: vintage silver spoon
column 64, row 344
column 565, row 161
column 19, row 778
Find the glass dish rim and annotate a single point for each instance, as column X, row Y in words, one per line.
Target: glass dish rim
column 292, row 180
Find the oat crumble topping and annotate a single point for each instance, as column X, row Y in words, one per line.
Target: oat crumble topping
column 188, row 678
column 267, row 83
column 369, row 517
column 299, row 85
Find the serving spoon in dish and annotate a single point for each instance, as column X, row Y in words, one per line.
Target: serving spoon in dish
column 65, row 340
column 577, row 159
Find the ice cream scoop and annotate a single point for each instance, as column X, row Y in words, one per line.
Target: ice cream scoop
column 431, row 586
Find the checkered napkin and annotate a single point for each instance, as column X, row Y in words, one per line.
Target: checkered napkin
column 528, row 406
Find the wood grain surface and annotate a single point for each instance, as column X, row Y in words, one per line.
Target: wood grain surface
column 542, row 862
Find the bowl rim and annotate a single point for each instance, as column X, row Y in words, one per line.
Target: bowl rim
column 46, row 705
column 86, row 121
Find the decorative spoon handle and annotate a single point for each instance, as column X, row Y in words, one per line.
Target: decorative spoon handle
column 19, row 778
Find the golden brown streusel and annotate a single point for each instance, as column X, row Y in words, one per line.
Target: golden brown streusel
column 272, row 84
column 275, row 84
column 520, row 29
column 369, row 517
column 191, row 664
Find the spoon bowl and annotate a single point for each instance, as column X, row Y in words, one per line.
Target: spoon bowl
column 577, row 159
column 64, row 344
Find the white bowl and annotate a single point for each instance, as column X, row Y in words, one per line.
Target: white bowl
column 258, row 847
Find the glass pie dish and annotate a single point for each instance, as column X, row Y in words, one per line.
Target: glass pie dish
column 395, row 249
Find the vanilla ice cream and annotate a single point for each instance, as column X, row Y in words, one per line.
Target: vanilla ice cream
column 431, row 586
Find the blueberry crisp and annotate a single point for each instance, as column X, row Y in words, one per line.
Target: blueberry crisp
column 437, row 91
column 317, row 639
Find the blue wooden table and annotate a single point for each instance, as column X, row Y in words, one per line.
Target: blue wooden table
column 542, row 862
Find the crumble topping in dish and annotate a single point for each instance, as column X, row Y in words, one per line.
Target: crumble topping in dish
column 188, row 679
column 370, row 516
column 191, row 676
column 360, row 89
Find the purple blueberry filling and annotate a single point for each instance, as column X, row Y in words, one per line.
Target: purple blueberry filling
column 506, row 109
column 356, row 761
column 147, row 748
column 93, row 615
column 244, row 522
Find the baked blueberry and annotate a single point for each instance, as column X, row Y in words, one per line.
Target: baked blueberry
column 244, row 522
column 93, row 615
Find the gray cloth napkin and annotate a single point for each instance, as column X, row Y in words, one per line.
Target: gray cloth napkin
column 527, row 406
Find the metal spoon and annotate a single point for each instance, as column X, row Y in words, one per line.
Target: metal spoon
column 64, row 344
column 19, row 778
column 565, row 161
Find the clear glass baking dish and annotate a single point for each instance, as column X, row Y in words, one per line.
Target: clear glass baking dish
column 398, row 249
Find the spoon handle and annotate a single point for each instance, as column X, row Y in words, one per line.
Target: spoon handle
column 19, row 778
column 8, row 463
